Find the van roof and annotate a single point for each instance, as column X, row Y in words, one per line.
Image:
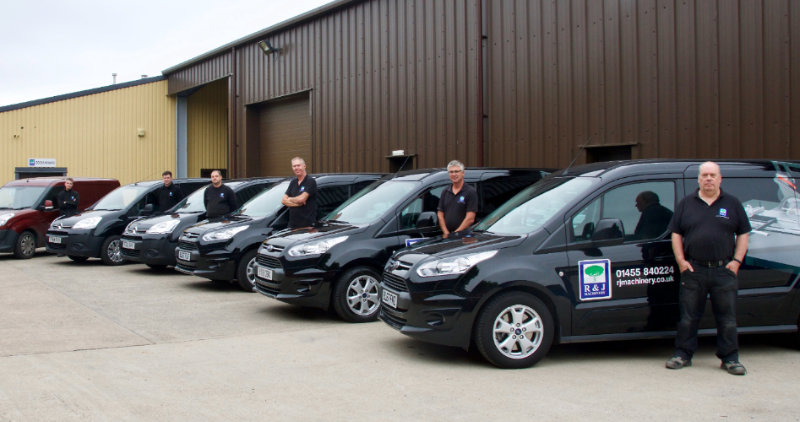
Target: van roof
column 662, row 166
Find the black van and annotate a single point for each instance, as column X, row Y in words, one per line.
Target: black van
column 96, row 231
column 339, row 263
column 225, row 249
column 568, row 260
column 152, row 240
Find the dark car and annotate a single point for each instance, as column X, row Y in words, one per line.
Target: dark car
column 96, row 232
column 224, row 249
column 26, row 209
column 566, row 261
column 152, row 240
column 339, row 263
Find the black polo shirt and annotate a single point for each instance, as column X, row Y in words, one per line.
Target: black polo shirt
column 219, row 201
column 709, row 231
column 456, row 206
column 168, row 196
column 306, row 215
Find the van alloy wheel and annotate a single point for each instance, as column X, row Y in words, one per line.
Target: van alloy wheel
column 355, row 297
column 514, row 330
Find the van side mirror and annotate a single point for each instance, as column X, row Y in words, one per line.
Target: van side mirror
column 608, row 229
column 427, row 219
column 147, row 210
column 48, row 205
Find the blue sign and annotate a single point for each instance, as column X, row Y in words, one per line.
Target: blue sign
column 595, row 279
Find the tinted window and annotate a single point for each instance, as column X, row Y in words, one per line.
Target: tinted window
column 494, row 192
column 537, row 204
column 371, row 203
column 121, row 197
column 428, row 201
column 329, row 198
column 644, row 209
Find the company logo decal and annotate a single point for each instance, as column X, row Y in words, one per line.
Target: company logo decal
column 723, row 213
column 595, row 279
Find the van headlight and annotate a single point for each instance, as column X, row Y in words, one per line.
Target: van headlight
column 224, row 234
column 163, row 227
column 5, row 217
column 315, row 248
column 453, row 265
column 87, row 223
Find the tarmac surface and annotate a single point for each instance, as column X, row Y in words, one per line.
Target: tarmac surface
column 87, row 342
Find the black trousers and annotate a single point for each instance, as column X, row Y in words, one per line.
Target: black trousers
column 721, row 285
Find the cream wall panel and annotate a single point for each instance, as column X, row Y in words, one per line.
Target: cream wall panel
column 207, row 128
column 95, row 135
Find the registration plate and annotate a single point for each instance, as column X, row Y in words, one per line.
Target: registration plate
column 184, row 256
column 127, row 244
column 390, row 298
column 264, row 273
column 55, row 239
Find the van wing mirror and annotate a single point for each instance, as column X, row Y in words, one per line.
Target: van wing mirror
column 427, row 219
column 608, row 229
column 48, row 205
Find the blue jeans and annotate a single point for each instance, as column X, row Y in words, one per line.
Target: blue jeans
column 721, row 284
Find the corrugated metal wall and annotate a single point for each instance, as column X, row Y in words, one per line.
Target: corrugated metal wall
column 207, row 128
column 383, row 74
column 673, row 78
column 95, row 135
column 668, row 78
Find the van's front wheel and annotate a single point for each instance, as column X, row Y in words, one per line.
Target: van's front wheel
column 110, row 252
column 355, row 297
column 26, row 245
column 514, row 330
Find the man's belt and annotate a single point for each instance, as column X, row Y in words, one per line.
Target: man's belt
column 710, row 264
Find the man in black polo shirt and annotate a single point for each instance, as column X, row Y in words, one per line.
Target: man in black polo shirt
column 458, row 203
column 710, row 231
column 67, row 200
column 219, row 198
column 169, row 195
column 301, row 196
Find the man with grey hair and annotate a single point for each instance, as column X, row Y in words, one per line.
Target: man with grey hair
column 458, row 203
column 301, row 196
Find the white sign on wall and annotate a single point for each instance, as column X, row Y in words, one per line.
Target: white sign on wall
column 41, row 162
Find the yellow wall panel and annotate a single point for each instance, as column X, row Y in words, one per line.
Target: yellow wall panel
column 207, row 128
column 95, row 135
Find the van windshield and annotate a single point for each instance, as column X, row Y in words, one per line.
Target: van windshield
column 268, row 202
column 120, row 198
column 193, row 202
column 20, row 197
column 530, row 209
column 372, row 202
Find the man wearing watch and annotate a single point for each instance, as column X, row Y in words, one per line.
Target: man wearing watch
column 710, row 231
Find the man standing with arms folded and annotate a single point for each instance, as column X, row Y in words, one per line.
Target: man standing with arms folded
column 169, row 195
column 458, row 203
column 218, row 198
column 710, row 231
column 68, row 199
column 301, row 196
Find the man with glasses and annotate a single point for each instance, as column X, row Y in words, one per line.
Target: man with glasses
column 458, row 204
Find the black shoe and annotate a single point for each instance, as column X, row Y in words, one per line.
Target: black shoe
column 677, row 362
column 733, row 367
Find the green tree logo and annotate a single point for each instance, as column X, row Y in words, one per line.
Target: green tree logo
column 594, row 271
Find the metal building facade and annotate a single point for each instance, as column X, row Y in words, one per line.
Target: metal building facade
column 126, row 132
column 520, row 82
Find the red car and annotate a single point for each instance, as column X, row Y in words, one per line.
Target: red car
column 26, row 209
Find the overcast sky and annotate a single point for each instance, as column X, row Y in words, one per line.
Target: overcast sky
column 55, row 47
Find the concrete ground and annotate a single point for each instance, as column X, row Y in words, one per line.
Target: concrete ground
column 86, row 342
